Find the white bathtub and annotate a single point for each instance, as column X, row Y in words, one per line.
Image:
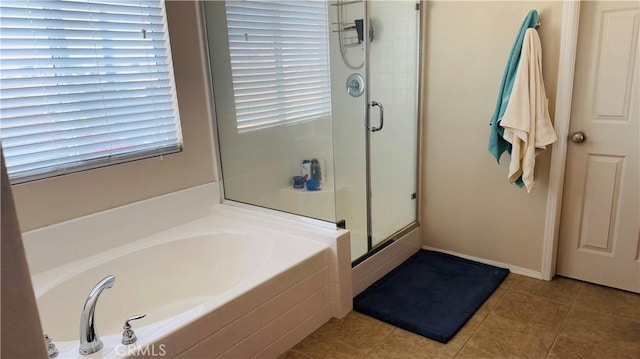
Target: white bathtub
column 227, row 285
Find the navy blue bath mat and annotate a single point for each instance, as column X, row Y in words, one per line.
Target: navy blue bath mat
column 432, row 294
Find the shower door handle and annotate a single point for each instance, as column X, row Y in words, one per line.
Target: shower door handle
column 379, row 105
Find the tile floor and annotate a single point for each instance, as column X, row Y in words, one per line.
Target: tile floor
column 524, row 318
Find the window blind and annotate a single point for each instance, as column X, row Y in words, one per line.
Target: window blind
column 84, row 84
column 279, row 61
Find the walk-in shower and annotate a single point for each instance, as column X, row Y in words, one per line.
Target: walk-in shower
column 326, row 91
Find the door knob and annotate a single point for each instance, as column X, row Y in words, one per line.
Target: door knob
column 578, row 137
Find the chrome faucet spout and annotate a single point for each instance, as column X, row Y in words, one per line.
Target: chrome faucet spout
column 89, row 339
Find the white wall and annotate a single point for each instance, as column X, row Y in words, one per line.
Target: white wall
column 467, row 204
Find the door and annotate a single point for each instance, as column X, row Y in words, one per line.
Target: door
column 600, row 224
column 392, row 66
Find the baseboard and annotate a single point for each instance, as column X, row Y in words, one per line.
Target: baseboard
column 514, row 269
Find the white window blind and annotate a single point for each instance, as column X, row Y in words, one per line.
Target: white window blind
column 84, row 84
column 279, row 61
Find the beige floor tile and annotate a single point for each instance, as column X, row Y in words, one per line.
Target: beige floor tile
column 569, row 348
column 493, row 300
column 293, row 354
column 404, row 344
column 498, row 337
column 330, row 328
column 609, row 300
column 506, row 284
column 519, row 320
column 603, row 329
column 560, row 289
column 357, row 330
column 318, row 347
column 449, row 350
column 401, row 344
column 531, row 310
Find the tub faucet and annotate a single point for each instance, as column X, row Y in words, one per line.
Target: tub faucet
column 89, row 340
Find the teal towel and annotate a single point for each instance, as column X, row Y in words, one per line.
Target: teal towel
column 497, row 144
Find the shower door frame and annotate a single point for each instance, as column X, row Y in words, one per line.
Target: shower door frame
column 371, row 249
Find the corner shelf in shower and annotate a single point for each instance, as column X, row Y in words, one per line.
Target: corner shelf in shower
column 323, row 188
column 315, row 204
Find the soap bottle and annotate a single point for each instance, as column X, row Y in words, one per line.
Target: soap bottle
column 316, row 171
column 306, row 170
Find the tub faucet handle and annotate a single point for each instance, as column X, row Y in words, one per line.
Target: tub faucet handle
column 128, row 336
column 52, row 351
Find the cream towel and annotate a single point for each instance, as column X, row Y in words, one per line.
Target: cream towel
column 526, row 121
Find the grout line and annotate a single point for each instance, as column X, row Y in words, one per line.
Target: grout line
column 543, row 297
column 304, row 355
column 379, row 343
column 475, row 331
column 483, row 319
column 613, row 314
column 538, row 296
column 512, row 281
column 555, row 339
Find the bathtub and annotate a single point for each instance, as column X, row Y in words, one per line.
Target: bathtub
column 233, row 284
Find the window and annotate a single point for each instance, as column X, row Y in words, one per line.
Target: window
column 279, row 61
column 84, row 84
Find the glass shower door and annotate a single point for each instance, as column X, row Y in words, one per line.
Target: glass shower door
column 392, row 63
column 375, row 129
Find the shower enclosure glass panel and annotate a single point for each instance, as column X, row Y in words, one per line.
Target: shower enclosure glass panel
column 270, row 73
column 298, row 81
column 348, row 113
column 393, row 82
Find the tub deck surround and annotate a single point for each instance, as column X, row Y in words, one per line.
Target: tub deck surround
column 235, row 282
column 47, row 247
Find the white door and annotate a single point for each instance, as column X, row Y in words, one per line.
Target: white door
column 600, row 223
